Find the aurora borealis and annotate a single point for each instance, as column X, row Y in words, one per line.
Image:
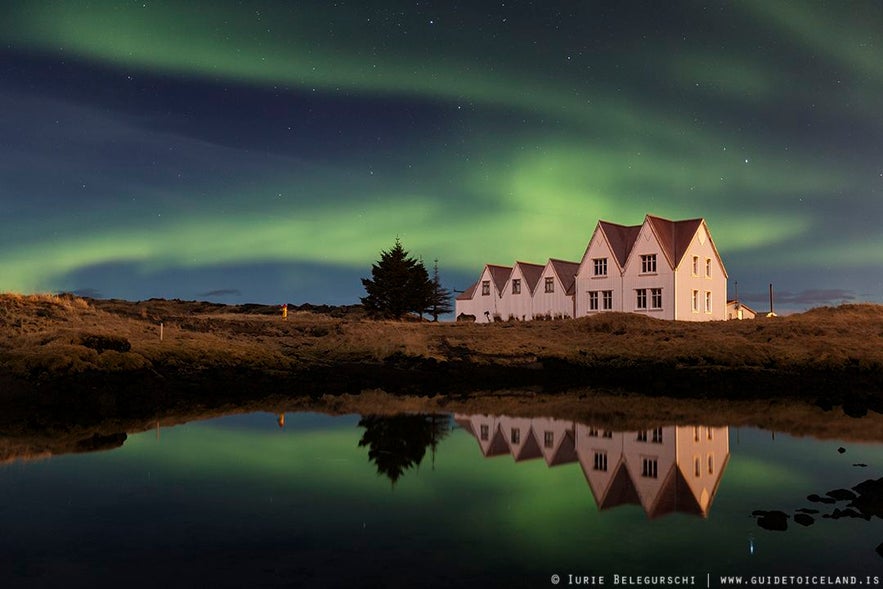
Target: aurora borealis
column 266, row 151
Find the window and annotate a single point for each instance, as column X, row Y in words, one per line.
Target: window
column 607, row 434
column 593, row 432
column 649, row 468
column 708, row 267
column 711, row 464
column 695, row 433
column 485, row 288
column 710, row 434
column 600, row 266
column 708, row 301
column 550, row 284
column 695, row 301
column 600, row 461
column 657, row 435
column 641, row 302
column 655, row 298
column 484, row 432
column 642, row 436
column 516, row 286
column 648, row 264
column 516, row 435
column 548, row 439
column 593, row 300
column 695, row 265
column 607, row 300
column 696, row 468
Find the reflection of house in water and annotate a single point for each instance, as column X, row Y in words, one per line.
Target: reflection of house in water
column 664, row 470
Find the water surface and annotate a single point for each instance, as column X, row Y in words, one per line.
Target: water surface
column 462, row 500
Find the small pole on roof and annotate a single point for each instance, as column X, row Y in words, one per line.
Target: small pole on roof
column 771, row 298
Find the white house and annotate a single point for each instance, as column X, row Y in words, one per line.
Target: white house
column 660, row 268
column 554, row 295
column 483, row 299
column 518, row 292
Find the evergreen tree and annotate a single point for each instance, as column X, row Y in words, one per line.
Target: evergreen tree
column 439, row 298
column 398, row 443
column 399, row 284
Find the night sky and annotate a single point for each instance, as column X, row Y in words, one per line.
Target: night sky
column 267, row 151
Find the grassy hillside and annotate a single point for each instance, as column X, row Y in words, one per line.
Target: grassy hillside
column 833, row 354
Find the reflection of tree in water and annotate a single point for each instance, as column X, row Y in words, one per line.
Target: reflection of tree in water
column 863, row 501
column 399, row 442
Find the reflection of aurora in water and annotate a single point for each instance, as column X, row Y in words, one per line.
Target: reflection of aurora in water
column 241, row 501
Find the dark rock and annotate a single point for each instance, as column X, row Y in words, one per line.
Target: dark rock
column 816, row 499
column 860, row 465
column 804, row 519
column 841, row 450
column 776, row 521
column 870, row 499
column 841, row 494
column 880, row 550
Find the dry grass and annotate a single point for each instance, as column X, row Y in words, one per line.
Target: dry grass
column 44, row 336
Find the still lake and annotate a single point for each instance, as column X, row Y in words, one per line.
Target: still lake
column 448, row 500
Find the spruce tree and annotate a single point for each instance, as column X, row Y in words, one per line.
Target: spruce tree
column 399, row 284
column 440, row 298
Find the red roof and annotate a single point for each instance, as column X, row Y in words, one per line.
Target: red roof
column 467, row 294
column 500, row 275
column 531, row 273
column 621, row 239
column 566, row 272
column 674, row 236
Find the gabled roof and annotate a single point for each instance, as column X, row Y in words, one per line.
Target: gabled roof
column 499, row 274
column 531, row 273
column 621, row 239
column 674, row 236
column 468, row 293
column 620, row 490
column 529, row 450
column 566, row 272
column 566, row 451
column 675, row 495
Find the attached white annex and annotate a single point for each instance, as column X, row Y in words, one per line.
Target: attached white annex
column 482, row 302
column 518, row 293
column 661, row 268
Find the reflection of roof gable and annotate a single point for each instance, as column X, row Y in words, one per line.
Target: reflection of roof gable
column 531, row 273
column 566, row 272
column 620, row 238
column 620, row 491
column 530, row 449
column 674, row 236
column 566, row 451
column 465, row 423
column 498, row 445
column 468, row 293
column 674, row 495
column 499, row 274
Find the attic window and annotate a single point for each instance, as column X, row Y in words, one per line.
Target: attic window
column 695, row 265
column 708, row 267
column 600, row 266
column 516, row 286
column 550, row 284
column 485, row 288
column 648, row 263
